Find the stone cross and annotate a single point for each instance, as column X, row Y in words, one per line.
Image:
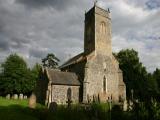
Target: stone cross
column 69, row 101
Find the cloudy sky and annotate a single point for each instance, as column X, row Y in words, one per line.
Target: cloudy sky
column 33, row 28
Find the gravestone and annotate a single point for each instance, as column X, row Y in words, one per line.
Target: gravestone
column 25, row 97
column 125, row 105
column 8, row 96
column 32, row 101
column 21, row 96
column 69, row 103
column 15, row 96
column 130, row 105
column 53, row 106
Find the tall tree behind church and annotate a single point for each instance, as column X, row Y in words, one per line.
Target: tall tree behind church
column 134, row 73
column 50, row 61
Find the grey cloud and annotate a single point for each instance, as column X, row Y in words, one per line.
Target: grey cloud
column 153, row 4
column 2, row 25
column 4, row 44
column 57, row 4
column 57, row 26
column 19, row 42
column 37, row 52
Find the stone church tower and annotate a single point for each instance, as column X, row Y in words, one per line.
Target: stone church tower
column 97, row 35
column 96, row 68
column 93, row 75
column 103, row 77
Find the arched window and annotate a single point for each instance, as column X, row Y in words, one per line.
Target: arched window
column 104, row 84
column 69, row 94
column 103, row 27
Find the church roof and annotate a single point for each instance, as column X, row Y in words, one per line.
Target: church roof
column 62, row 78
column 76, row 59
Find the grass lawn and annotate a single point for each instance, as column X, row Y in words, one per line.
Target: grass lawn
column 19, row 110
column 5, row 102
column 16, row 110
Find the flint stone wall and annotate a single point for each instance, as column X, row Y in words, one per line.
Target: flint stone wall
column 95, row 72
column 59, row 94
column 79, row 69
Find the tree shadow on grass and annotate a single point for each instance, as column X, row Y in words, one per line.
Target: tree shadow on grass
column 95, row 112
column 17, row 112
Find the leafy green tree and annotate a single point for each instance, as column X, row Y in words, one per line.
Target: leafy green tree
column 16, row 77
column 152, row 86
column 35, row 70
column 134, row 73
column 50, row 61
column 31, row 79
column 156, row 75
column 14, row 71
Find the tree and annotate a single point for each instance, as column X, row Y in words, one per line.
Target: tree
column 16, row 77
column 31, row 79
column 134, row 73
column 14, row 71
column 50, row 61
column 156, row 75
column 152, row 86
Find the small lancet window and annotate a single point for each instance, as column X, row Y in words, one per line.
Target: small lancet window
column 103, row 27
column 104, row 84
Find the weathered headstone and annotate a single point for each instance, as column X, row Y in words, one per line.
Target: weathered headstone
column 53, row 106
column 32, row 101
column 25, row 97
column 21, row 96
column 15, row 96
column 8, row 96
column 125, row 105
column 130, row 105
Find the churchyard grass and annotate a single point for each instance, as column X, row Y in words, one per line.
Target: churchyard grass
column 19, row 110
column 16, row 110
column 7, row 102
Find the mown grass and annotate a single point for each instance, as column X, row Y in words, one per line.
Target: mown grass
column 8, row 102
column 19, row 110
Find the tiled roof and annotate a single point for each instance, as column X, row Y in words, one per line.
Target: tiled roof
column 62, row 78
column 78, row 58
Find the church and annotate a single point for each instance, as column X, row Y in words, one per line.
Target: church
column 93, row 75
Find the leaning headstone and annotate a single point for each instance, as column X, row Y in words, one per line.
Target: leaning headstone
column 15, row 96
column 25, row 97
column 8, row 96
column 21, row 96
column 32, row 101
